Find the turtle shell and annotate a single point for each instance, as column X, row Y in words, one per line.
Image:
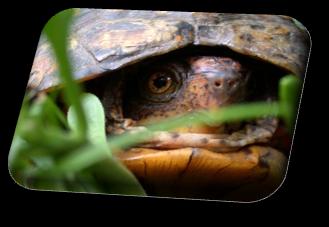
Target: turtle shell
column 106, row 40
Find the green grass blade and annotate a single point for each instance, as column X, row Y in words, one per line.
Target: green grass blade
column 233, row 113
column 289, row 91
column 95, row 117
column 57, row 30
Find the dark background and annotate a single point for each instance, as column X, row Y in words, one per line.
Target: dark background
column 21, row 25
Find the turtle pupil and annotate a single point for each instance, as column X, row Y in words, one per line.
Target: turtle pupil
column 161, row 81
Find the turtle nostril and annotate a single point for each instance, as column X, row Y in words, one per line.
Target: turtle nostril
column 231, row 83
column 218, row 83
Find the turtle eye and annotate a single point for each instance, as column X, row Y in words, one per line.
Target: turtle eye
column 159, row 83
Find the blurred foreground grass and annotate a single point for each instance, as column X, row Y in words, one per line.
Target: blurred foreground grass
column 72, row 153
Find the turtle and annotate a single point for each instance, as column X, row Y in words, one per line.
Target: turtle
column 147, row 66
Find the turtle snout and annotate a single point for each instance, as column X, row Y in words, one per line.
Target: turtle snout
column 226, row 78
column 226, row 86
column 227, row 82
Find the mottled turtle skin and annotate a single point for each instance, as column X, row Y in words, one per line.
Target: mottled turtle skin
column 198, row 162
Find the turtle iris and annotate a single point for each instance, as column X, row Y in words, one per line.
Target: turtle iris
column 159, row 83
